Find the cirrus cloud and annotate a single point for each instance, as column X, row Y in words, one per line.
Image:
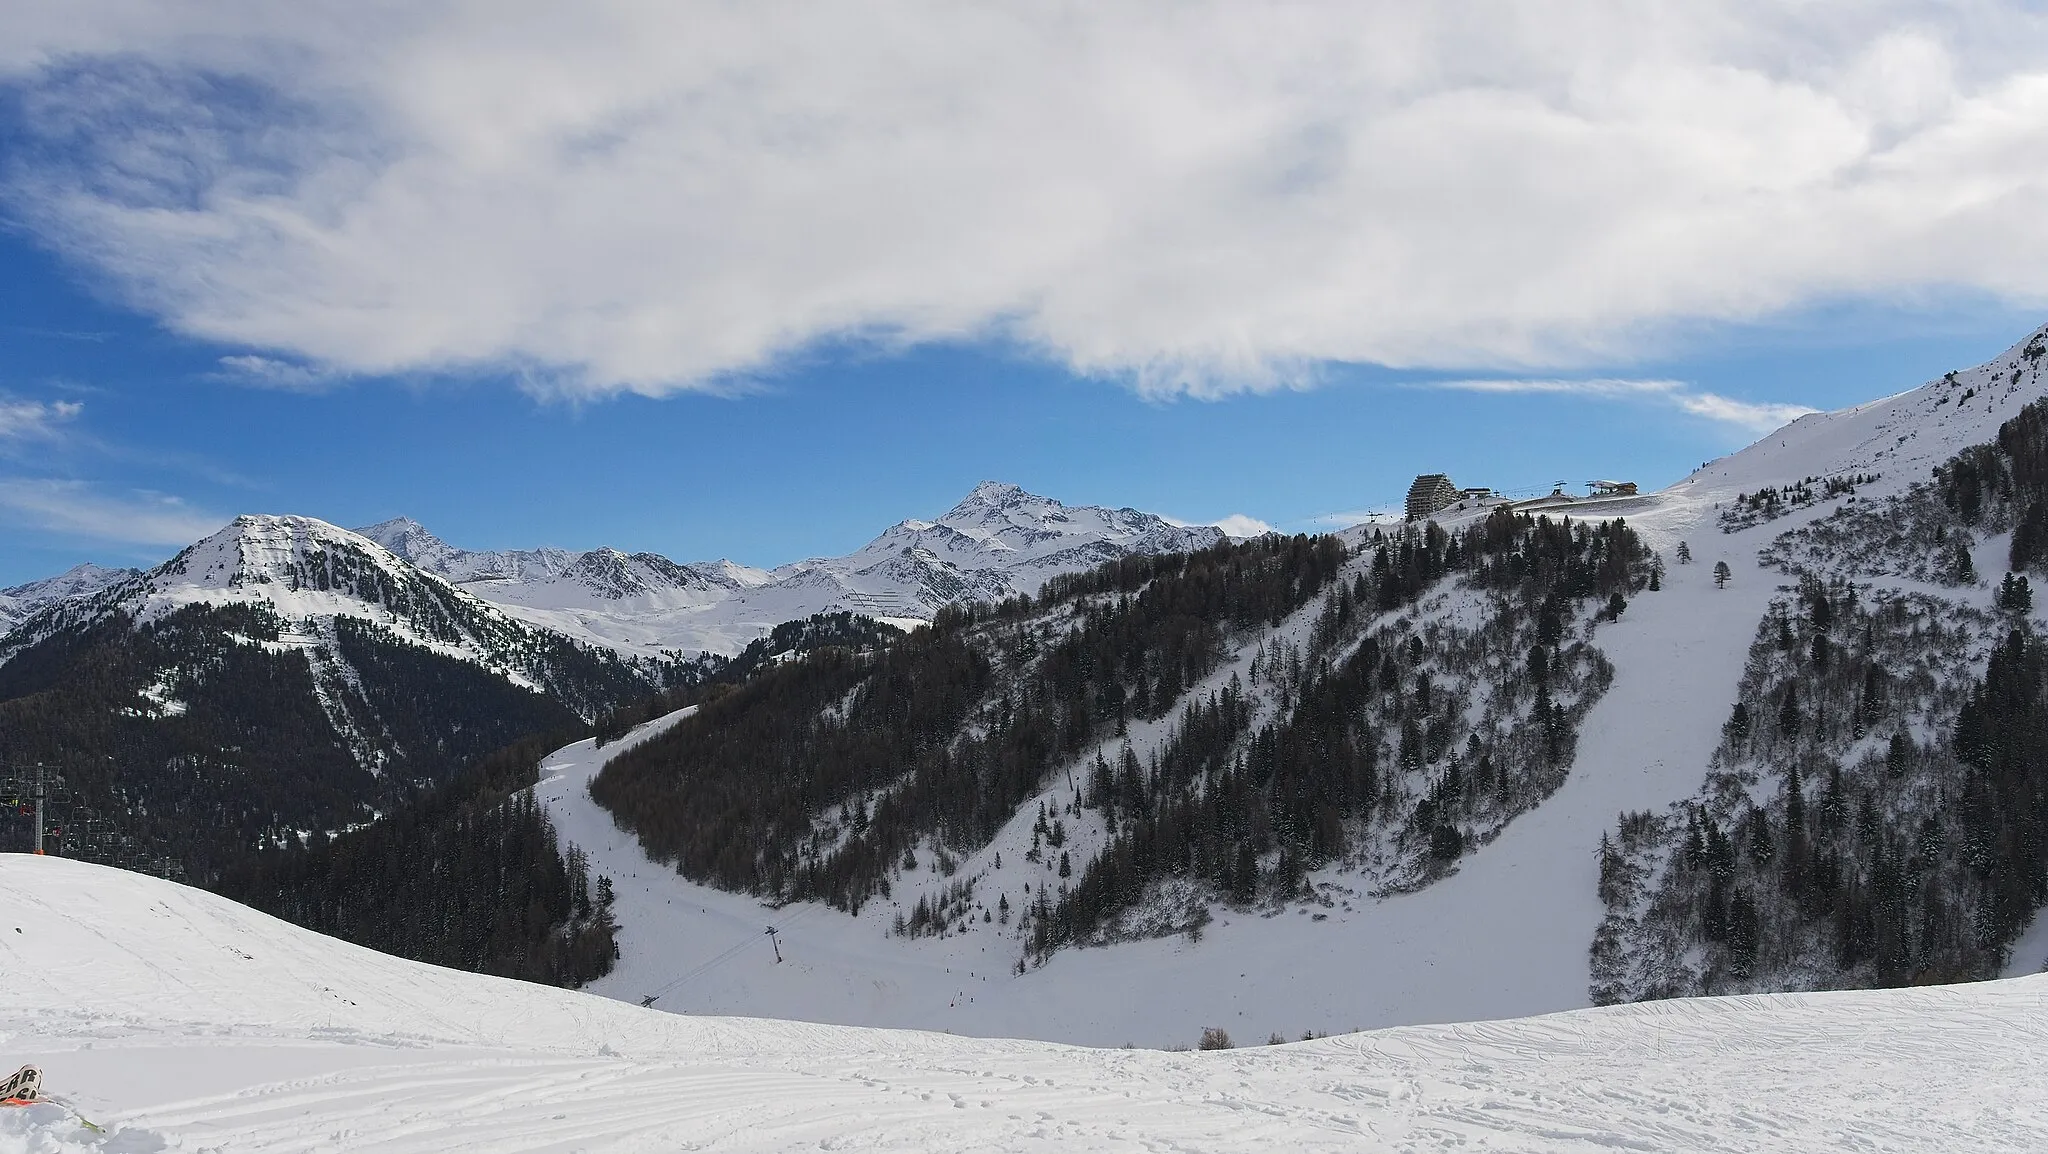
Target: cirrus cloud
column 1748, row 416
column 1195, row 198
column 22, row 420
column 76, row 508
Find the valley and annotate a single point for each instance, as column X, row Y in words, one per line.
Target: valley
column 1125, row 788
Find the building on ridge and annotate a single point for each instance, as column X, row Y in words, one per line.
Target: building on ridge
column 1430, row 493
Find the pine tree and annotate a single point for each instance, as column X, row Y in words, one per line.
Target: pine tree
column 1788, row 711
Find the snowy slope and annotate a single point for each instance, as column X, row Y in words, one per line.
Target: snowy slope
column 77, row 581
column 1901, row 437
column 1508, row 934
column 1505, row 935
column 409, row 539
column 177, row 1020
column 997, row 542
column 546, row 576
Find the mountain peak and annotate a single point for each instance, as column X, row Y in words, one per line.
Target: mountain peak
column 396, row 526
column 996, row 491
column 405, row 537
column 80, row 578
column 261, row 547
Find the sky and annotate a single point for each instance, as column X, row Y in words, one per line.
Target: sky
column 721, row 280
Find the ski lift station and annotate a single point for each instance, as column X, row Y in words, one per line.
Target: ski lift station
column 1433, row 493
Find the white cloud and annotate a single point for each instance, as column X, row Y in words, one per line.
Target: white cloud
column 271, row 373
column 75, row 508
column 652, row 195
column 1240, row 526
column 1749, row 416
column 34, row 420
column 1755, row 417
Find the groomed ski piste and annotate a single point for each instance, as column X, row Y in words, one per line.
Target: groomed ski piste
column 176, row 1020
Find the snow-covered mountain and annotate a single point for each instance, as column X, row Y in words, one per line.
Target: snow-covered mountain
column 408, row 539
column 77, row 581
column 997, row 542
column 1510, row 929
column 307, row 573
column 176, row 1020
column 1505, row 928
column 281, row 676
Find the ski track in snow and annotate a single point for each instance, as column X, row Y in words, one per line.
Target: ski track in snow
column 180, row 1021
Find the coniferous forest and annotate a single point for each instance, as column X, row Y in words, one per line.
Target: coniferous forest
column 828, row 776
column 208, row 749
column 1372, row 751
column 247, row 756
column 944, row 734
column 467, row 874
column 1877, row 812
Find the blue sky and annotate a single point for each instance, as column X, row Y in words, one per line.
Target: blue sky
column 816, row 459
column 717, row 281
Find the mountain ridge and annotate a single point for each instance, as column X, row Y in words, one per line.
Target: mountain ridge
column 997, row 541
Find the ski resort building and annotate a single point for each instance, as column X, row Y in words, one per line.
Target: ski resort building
column 1430, row 493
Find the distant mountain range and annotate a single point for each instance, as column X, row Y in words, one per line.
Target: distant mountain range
column 285, row 675
column 77, row 581
column 997, row 542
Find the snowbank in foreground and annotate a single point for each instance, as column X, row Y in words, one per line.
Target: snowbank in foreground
column 180, row 1021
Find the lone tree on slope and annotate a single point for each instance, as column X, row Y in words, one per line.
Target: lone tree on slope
column 1721, row 574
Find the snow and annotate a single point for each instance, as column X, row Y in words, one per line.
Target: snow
column 177, row 1020
column 299, row 1041
column 268, row 561
column 1506, row 935
column 998, row 541
column 80, row 580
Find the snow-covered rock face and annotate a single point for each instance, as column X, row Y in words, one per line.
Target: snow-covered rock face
column 560, row 578
column 308, row 573
column 1000, row 526
column 997, row 542
column 409, row 539
column 77, row 581
column 303, row 568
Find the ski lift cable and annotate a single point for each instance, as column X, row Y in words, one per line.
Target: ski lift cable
column 726, row 955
